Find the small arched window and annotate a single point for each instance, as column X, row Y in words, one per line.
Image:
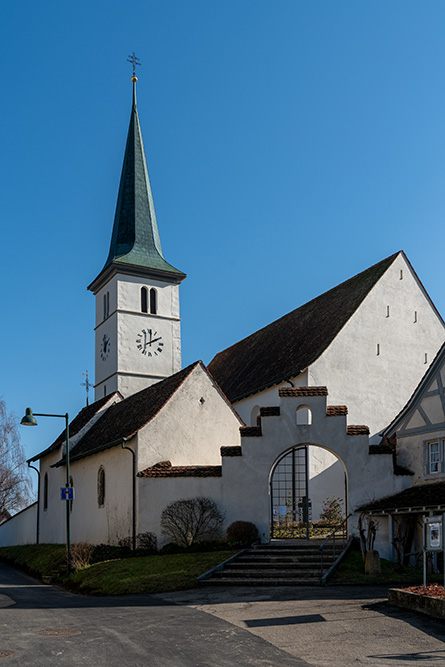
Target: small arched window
column 153, row 301
column 45, row 492
column 255, row 418
column 144, row 304
column 101, row 487
column 304, row 415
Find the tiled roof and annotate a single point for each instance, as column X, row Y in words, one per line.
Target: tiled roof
column 250, row 431
column 126, row 418
column 235, row 450
column 284, row 348
column 357, row 430
column 272, row 411
column 164, row 470
column 79, row 421
column 381, row 449
column 336, row 410
column 303, row 391
column 416, row 497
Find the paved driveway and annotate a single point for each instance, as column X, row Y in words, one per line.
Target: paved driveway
column 212, row 627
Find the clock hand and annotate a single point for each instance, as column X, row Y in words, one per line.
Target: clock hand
column 153, row 340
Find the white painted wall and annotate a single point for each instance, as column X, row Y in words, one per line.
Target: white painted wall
column 188, row 431
column 374, row 386
column 267, row 398
column 21, row 528
column 126, row 369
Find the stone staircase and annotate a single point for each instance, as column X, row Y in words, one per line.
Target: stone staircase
column 296, row 563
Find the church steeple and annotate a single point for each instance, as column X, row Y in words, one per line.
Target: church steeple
column 138, row 326
column 135, row 240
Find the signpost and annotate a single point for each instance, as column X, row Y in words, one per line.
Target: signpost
column 67, row 493
column 433, row 539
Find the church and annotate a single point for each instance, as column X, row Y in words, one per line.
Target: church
column 276, row 424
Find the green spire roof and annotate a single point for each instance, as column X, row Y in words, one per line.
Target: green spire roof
column 135, row 240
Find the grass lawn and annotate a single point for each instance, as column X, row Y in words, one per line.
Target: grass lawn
column 142, row 574
column 352, row 571
column 147, row 574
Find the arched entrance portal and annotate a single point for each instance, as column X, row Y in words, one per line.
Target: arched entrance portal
column 308, row 493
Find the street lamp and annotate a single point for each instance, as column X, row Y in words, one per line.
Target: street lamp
column 30, row 420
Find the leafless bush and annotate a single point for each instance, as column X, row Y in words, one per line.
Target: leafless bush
column 191, row 520
column 147, row 541
column 81, row 553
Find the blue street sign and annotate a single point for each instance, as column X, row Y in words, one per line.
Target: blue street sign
column 67, row 493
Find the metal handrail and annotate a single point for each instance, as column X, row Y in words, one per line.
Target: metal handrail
column 329, row 537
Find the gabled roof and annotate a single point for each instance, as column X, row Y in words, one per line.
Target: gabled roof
column 79, row 421
column 286, row 347
column 124, row 419
column 416, row 497
column 417, row 393
column 135, row 242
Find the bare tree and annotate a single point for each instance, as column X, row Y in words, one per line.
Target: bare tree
column 191, row 520
column 15, row 482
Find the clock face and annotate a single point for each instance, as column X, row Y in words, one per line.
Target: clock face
column 149, row 342
column 105, row 347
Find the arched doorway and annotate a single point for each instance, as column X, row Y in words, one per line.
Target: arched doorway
column 308, row 493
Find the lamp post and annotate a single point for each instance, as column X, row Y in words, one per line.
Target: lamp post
column 30, row 420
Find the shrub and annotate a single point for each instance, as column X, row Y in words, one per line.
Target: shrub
column 147, row 541
column 242, row 532
column 189, row 520
column 81, row 553
column 332, row 513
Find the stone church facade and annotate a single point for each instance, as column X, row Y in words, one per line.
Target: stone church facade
column 312, row 390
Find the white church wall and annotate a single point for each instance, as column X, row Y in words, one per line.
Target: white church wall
column 246, row 408
column 21, row 528
column 113, row 521
column 155, row 493
column 378, row 358
column 191, row 428
column 52, row 519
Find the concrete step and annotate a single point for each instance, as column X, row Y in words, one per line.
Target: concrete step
column 275, row 567
column 260, row 582
column 283, row 560
column 259, row 573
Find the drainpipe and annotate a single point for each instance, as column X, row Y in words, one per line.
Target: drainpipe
column 38, row 501
column 124, row 440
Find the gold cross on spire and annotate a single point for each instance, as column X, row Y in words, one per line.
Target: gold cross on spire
column 134, row 61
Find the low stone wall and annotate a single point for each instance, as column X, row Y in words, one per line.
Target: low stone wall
column 422, row 603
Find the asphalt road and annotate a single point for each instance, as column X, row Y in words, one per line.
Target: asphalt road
column 45, row 625
column 338, row 626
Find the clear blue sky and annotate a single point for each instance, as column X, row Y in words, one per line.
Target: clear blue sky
column 290, row 145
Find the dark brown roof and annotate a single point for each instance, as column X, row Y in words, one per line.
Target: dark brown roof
column 287, row 346
column 357, row 429
column 126, row 418
column 272, row 411
column 416, row 497
column 164, row 470
column 79, row 421
column 336, row 410
column 234, row 450
column 250, row 431
column 303, row 391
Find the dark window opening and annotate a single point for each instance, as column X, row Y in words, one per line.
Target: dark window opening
column 153, row 302
column 144, row 304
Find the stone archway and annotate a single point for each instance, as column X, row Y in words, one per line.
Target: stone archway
column 308, row 493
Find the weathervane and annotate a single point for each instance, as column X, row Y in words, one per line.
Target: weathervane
column 87, row 384
column 134, row 61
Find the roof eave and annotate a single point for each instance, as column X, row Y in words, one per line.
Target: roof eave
column 133, row 270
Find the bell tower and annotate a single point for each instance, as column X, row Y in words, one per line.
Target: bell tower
column 137, row 332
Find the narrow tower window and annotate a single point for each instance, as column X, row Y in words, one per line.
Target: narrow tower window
column 401, row 274
column 101, row 487
column 426, row 357
column 387, row 311
column 415, row 316
column 153, row 301
column 378, row 349
column 45, row 492
column 106, row 305
column 144, row 304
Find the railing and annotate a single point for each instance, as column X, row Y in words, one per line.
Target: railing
column 342, row 528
